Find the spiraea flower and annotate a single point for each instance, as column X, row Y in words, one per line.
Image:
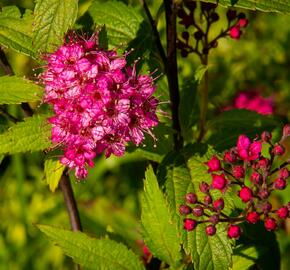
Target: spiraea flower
column 100, row 104
column 254, row 178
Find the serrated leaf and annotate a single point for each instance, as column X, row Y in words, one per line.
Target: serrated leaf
column 122, row 22
column 15, row 90
column 262, row 5
column 227, row 126
column 159, row 231
column 103, row 254
column 52, row 19
column 16, row 30
column 244, row 257
column 183, row 173
column 53, row 170
column 31, row 135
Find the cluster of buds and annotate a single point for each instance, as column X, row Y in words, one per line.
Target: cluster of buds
column 198, row 42
column 242, row 166
column 100, row 103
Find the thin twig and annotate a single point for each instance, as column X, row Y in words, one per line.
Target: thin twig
column 70, row 203
column 8, row 116
column 172, row 70
column 155, row 33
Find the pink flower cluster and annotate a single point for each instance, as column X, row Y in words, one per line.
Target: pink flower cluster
column 252, row 100
column 254, row 176
column 100, row 104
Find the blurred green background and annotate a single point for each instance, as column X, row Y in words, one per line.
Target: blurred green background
column 108, row 199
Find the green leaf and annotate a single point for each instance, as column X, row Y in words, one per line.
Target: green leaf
column 183, row 173
column 199, row 73
column 159, row 231
column 103, row 38
column 16, row 30
column 188, row 109
column 122, row 22
column 52, row 19
column 53, row 170
column 15, row 90
column 31, row 135
column 229, row 125
column 244, row 257
column 103, row 254
column 262, row 5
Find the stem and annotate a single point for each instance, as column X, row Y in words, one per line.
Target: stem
column 155, row 33
column 70, row 203
column 203, row 100
column 172, row 70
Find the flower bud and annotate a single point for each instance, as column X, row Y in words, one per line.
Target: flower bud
column 245, row 194
column 214, row 219
column 197, row 211
column 208, row 6
column 234, row 231
column 270, row 224
column 204, row 187
column 256, row 178
column 242, row 15
column 278, row 150
column 184, row 209
column 243, row 22
column 263, row 193
column 207, row 199
column 253, row 217
column 282, row 212
column 185, row 35
column 283, row 173
column 181, row 13
column 219, row 181
column 279, row 184
column 214, row 164
column 235, row 32
column 231, row 14
column 266, row 136
column 219, row 204
column 263, row 164
column 266, row 207
column 191, row 198
column 184, row 53
column 286, row 131
column 210, row 230
column 214, row 17
column 189, row 224
column 230, row 157
column 238, row 172
column 198, row 35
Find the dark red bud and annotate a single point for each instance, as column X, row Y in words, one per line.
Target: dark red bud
column 280, row 184
column 197, row 211
column 286, row 131
column 283, row 173
column 270, row 224
column 263, row 193
column 189, row 224
column 185, row 35
column 266, row 207
column 207, row 199
column 219, row 204
column 191, row 198
column 204, row 187
column 231, row 14
column 214, row 17
column 191, row 5
column 184, row 209
column 214, row 219
column 278, row 150
column 266, row 136
column 256, row 178
column 210, row 230
column 198, row 35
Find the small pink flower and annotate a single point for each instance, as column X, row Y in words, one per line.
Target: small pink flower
column 210, row 230
column 248, row 151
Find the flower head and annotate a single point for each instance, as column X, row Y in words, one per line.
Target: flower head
column 100, row 104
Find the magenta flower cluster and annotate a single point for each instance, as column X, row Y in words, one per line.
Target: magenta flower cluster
column 255, row 177
column 100, row 104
